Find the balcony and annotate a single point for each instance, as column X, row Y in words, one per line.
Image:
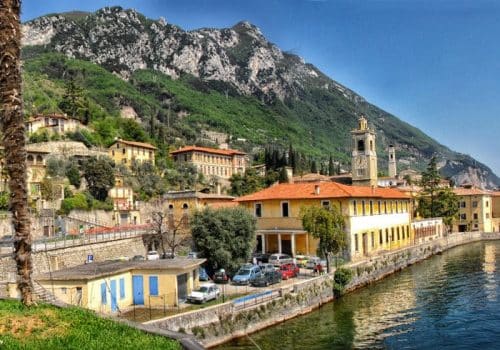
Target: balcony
column 280, row 223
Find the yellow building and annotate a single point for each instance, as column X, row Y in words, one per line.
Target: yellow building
column 126, row 152
column 125, row 209
column 475, row 210
column 376, row 219
column 112, row 286
column 53, row 123
column 222, row 163
column 496, row 211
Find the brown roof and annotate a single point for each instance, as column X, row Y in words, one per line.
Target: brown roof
column 225, row 152
column 135, row 144
column 306, row 190
column 462, row 191
column 53, row 115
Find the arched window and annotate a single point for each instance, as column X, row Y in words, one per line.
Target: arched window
column 361, row 145
column 29, row 159
column 39, row 159
column 170, row 207
column 371, row 145
column 185, row 206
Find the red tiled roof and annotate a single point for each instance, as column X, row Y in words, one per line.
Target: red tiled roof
column 461, row 191
column 136, row 144
column 225, row 152
column 306, row 190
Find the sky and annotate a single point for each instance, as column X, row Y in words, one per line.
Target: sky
column 433, row 63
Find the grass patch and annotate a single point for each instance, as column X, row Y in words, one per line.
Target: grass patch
column 48, row 327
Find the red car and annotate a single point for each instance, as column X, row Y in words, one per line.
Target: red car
column 289, row 271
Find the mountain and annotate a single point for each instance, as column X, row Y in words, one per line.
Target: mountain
column 228, row 80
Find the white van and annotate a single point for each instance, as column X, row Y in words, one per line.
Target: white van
column 279, row 259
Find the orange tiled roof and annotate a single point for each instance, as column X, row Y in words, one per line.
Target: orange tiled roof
column 461, row 191
column 306, row 190
column 225, row 152
column 136, row 144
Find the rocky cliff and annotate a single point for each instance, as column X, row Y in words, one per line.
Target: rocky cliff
column 240, row 61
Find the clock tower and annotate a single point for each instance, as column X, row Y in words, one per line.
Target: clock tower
column 364, row 155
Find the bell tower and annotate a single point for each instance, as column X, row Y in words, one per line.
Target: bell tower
column 392, row 161
column 364, row 155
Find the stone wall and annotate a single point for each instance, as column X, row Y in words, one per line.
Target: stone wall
column 57, row 259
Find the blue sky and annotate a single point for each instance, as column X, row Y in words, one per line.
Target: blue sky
column 433, row 63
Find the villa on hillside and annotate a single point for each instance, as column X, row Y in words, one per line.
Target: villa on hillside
column 126, row 152
column 53, row 123
column 222, row 163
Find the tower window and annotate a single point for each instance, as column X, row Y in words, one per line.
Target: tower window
column 371, row 145
column 361, row 145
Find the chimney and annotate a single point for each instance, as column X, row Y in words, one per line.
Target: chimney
column 289, row 174
column 316, row 189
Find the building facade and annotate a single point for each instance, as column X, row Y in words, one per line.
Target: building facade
column 53, row 123
column 128, row 152
column 475, row 210
column 376, row 219
column 222, row 163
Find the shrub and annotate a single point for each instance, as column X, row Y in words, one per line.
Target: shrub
column 341, row 278
column 78, row 201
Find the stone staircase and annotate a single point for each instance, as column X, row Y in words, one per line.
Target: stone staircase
column 42, row 294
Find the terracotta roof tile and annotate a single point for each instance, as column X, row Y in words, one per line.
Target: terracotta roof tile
column 134, row 143
column 326, row 190
column 461, row 191
column 226, row 152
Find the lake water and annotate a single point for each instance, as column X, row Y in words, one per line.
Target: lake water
column 450, row 301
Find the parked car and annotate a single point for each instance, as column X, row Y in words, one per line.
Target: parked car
column 193, row 255
column 221, row 276
column 313, row 262
column 153, row 255
column 289, row 271
column 138, row 258
column 205, row 293
column 301, row 260
column 260, row 258
column 202, row 274
column 168, row 255
column 266, row 278
column 245, row 274
column 267, row 267
column 277, row 259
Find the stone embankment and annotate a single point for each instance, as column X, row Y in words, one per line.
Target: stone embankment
column 221, row 323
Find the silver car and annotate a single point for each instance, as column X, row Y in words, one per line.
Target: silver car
column 279, row 259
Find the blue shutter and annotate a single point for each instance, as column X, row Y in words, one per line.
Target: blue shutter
column 122, row 288
column 103, row 294
column 153, row 285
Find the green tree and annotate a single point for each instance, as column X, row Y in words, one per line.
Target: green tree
column 331, row 167
column 150, row 183
column 283, row 175
column 314, row 167
column 434, row 200
column 73, row 175
column 250, row 182
column 99, row 174
column 72, row 103
column 225, row 237
column 327, row 225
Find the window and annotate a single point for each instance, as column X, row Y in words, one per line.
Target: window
column 463, row 217
column 361, row 145
column 487, row 215
column 487, row 204
column 475, row 216
column 103, row 294
column 386, row 235
column 380, row 237
column 363, row 209
column 325, row 204
column 371, row 207
column 379, row 207
column 356, row 248
column 153, row 285
column 373, row 239
column 123, row 151
column 392, row 234
column 258, row 210
column 462, row 204
column 371, row 145
column 284, row 209
column 397, row 231
column 122, row 288
column 385, row 207
column 407, row 231
column 474, row 204
column 64, row 290
column 354, row 208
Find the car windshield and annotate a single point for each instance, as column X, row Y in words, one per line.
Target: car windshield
column 203, row 289
column 244, row 272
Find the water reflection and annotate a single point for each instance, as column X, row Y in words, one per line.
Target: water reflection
column 446, row 302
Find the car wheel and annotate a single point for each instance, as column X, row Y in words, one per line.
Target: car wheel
column 267, row 283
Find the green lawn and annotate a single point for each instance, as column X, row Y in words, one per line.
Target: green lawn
column 48, row 327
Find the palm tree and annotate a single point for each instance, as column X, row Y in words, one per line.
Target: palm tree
column 11, row 113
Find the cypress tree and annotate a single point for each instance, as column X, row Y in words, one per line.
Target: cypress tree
column 331, row 167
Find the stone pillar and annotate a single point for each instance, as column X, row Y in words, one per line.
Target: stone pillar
column 292, row 238
column 279, row 243
column 263, row 241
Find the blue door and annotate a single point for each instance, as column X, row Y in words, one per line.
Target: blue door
column 138, row 287
column 114, row 306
